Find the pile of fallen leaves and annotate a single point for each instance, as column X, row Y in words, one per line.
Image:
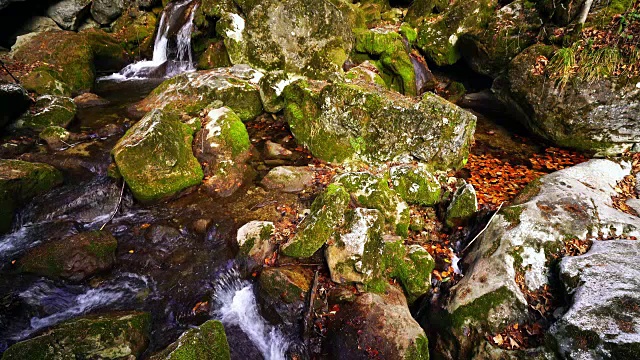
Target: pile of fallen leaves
column 626, row 188
column 497, row 180
column 517, row 336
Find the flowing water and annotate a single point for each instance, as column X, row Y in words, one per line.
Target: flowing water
column 172, row 47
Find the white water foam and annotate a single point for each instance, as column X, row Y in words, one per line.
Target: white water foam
column 236, row 305
column 66, row 303
column 184, row 62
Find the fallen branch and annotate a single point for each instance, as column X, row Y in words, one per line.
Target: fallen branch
column 308, row 318
column 9, row 72
column 113, row 214
column 483, row 230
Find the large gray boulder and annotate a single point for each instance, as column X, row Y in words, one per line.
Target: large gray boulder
column 602, row 115
column 310, row 37
column 106, row 11
column 14, row 100
column 603, row 320
column 69, row 14
column 191, row 92
column 359, row 122
column 512, row 258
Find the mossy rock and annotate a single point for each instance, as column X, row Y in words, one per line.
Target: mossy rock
column 416, row 184
column 134, row 30
column 110, row 336
column 283, row 292
column 48, row 110
column 261, row 35
column 355, row 253
column 223, row 147
column 155, row 157
column 19, row 182
column 421, row 9
column 214, row 56
column 190, row 93
column 603, row 119
column 43, row 81
column 327, row 212
column 438, row 39
column 205, row 342
column 271, row 87
column 55, row 137
column 374, row 193
column 360, row 122
column 411, row 266
column 74, row 258
column 463, row 206
column 366, row 72
column 489, row 50
column 72, row 58
column 390, row 51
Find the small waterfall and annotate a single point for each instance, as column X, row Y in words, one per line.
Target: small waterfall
column 172, row 47
column 236, row 305
column 66, row 302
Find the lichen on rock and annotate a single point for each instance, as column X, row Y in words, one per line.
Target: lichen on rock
column 155, row 157
column 206, row 342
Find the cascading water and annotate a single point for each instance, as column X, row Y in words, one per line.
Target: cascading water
column 172, row 47
column 236, row 306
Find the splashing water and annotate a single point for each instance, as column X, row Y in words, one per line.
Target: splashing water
column 160, row 65
column 68, row 302
column 236, row 305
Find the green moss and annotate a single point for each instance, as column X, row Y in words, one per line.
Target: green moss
column 494, row 247
column 512, row 214
column 48, row 111
column 419, row 350
column 408, row 32
column 112, row 336
column 326, row 213
column 463, row 206
column 289, row 284
column 411, row 267
column 479, row 309
column 528, row 192
column 206, row 342
column 43, row 81
column 155, row 157
column 390, row 51
column 416, row 185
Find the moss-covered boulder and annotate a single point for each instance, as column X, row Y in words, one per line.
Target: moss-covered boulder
column 191, row 92
column 391, row 55
column 223, row 147
column 415, row 184
column 14, row 100
column 207, row 342
column 515, row 255
column 20, row 181
column 74, row 258
column 438, row 37
column 271, row 87
column 376, row 323
column 601, row 115
column 214, row 56
column 355, row 253
column 261, row 35
column 462, row 207
column 603, row 319
column 357, row 121
column 254, row 243
column 45, row 81
column 111, row 336
column 510, row 30
column 55, row 137
column 134, row 30
column 291, row 179
column 411, row 266
column 70, row 58
column 421, row 9
column 327, row 212
column 283, row 293
column 366, row 72
column 155, row 157
column 48, row 110
column 373, row 192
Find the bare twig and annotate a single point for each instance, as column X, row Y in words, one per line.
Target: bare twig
column 9, row 72
column 308, row 318
column 483, row 230
column 113, row 214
